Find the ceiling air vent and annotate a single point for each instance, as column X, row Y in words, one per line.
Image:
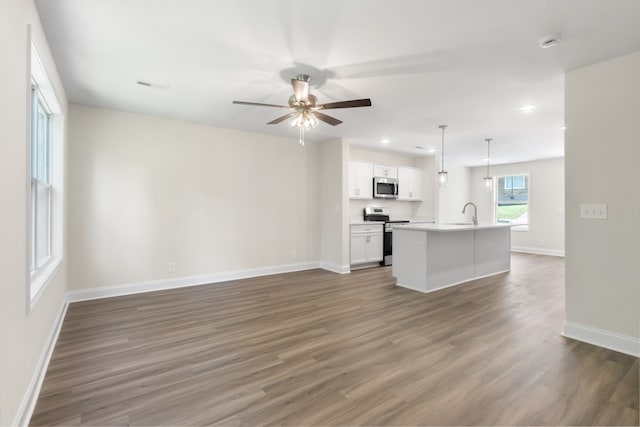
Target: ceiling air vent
column 549, row 41
column 152, row 85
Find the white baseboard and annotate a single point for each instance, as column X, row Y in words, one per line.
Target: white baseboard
column 450, row 285
column 612, row 341
column 181, row 282
column 537, row 251
column 335, row 268
column 28, row 404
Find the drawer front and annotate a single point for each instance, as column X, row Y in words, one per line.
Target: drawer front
column 366, row 228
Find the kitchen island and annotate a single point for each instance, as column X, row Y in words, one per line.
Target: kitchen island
column 428, row 257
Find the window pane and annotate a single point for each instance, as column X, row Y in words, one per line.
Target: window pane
column 518, row 182
column 513, row 200
column 34, row 186
column 42, row 151
column 513, row 214
column 506, row 182
column 42, row 234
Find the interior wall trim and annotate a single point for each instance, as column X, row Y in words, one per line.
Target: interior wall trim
column 185, row 281
column 616, row 342
column 28, row 404
column 537, row 251
column 335, row 268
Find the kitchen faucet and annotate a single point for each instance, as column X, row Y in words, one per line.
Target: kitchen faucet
column 474, row 218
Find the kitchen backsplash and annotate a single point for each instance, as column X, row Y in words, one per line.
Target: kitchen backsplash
column 398, row 209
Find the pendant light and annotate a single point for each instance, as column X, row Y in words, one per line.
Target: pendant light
column 442, row 175
column 488, row 180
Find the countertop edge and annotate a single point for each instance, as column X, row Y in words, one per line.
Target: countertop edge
column 449, row 227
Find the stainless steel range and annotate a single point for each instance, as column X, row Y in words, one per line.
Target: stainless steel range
column 382, row 214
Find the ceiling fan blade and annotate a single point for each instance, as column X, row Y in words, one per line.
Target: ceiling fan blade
column 300, row 90
column 259, row 104
column 281, row 118
column 345, row 104
column 327, row 119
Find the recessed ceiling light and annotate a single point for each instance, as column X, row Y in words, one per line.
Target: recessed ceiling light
column 563, row 127
column 385, row 141
column 432, row 150
column 527, row 108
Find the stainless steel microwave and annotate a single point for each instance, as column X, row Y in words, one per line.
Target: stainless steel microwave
column 385, row 188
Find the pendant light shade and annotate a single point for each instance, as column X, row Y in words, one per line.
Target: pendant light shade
column 488, row 179
column 443, row 176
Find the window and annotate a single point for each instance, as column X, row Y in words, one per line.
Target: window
column 512, row 200
column 40, row 181
column 45, row 176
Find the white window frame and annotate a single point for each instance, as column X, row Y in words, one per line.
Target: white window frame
column 41, row 92
column 38, row 104
column 523, row 227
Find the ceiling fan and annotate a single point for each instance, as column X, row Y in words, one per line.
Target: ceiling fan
column 305, row 112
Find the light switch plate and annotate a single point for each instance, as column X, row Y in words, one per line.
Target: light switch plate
column 593, row 211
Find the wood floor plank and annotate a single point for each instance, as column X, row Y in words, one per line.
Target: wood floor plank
column 318, row 348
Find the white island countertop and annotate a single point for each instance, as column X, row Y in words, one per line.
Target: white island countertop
column 448, row 227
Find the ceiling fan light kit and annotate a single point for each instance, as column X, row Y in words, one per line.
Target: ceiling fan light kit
column 443, row 176
column 306, row 114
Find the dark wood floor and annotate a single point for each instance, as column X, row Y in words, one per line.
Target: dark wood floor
column 317, row 348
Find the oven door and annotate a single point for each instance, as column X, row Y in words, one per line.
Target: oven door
column 387, row 242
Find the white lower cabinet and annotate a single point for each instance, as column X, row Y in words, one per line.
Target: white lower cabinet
column 366, row 243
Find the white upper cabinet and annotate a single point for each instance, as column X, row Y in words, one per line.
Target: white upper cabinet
column 409, row 184
column 360, row 180
column 386, row 171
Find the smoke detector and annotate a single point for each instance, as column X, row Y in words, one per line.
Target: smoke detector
column 549, row 40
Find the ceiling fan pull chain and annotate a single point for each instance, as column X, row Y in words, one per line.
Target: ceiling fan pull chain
column 301, row 135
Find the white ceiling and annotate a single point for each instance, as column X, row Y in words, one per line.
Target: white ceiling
column 469, row 64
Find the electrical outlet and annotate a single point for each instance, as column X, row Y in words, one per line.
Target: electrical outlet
column 171, row 268
column 593, row 211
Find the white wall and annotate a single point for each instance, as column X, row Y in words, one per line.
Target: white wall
column 427, row 209
column 147, row 191
column 602, row 157
column 23, row 337
column 334, row 243
column 398, row 209
column 451, row 200
column 546, row 210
